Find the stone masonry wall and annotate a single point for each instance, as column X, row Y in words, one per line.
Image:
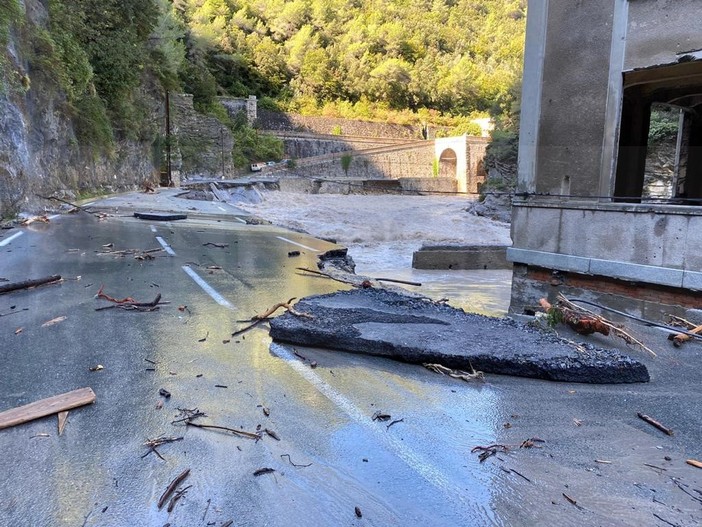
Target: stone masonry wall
column 269, row 120
column 299, row 147
column 203, row 145
column 413, row 163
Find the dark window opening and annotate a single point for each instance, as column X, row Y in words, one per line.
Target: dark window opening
column 660, row 140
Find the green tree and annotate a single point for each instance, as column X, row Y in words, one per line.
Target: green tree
column 346, row 163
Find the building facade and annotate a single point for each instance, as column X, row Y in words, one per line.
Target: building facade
column 584, row 221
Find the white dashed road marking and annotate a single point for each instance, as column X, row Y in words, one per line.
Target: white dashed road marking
column 8, row 240
column 165, row 246
column 298, row 244
column 207, row 288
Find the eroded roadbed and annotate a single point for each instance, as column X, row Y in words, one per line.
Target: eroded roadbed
column 385, row 323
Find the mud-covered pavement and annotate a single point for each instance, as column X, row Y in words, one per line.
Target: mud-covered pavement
column 419, row 471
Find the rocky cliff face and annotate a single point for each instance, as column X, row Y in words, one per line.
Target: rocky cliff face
column 39, row 152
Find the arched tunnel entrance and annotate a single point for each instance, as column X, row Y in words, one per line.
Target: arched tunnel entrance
column 448, row 161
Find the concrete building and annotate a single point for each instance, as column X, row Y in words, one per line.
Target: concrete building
column 583, row 222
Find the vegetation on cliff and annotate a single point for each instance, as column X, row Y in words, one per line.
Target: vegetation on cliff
column 393, row 59
column 436, row 61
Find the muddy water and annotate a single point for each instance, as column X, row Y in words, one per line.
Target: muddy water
column 485, row 291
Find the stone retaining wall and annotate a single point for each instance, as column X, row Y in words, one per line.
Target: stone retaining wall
column 270, row 120
column 409, row 163
column 202, row 145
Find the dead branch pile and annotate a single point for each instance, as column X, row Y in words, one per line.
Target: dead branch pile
column 586, row 322
column 679, row 339
column 128, row 303
column 456, row 374
column 262, row 317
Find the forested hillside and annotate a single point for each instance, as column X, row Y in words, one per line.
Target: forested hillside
column 353, row 58
column 451, row 56
column 83, row 82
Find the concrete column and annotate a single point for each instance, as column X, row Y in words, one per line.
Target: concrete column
column 535, row 46
column 633, row 143
column 615, row 92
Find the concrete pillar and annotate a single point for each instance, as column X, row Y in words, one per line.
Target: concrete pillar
column 633, row 143
column 532, row 83
column 615, row 91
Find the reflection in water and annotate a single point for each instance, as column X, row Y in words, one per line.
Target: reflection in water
column 485, row 292
column 469, row 505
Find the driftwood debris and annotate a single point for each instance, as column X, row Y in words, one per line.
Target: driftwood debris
column 680, row 338
column 187, row 414
column 241, row 433
column 27, row 284
column 365, row 283
column 48, row 406
column 172, row 486
column 218, row 245
column 694, row 463
column 456, row 374
column 395, row 422
column 257, row 319
column 34, row 219
column 586, row 322
column 296, row 465
column 326, row 275
column 128, row 303
column 656, row 424
column 380, row 416
column 138, row 254
column 153, row 445
column 488, row 451
column 396, row 281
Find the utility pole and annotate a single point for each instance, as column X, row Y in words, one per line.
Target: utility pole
column 221, row 143
column 168, row 139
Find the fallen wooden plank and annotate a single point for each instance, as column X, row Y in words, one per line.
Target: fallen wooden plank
column 29, row 283
column 44, row 407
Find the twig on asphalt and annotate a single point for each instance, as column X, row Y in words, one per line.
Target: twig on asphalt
column 242, row 433
column 294, row 464
column 488, row 451
column 153, row 445
column 186, row 414
column 666, row 521
column 172, row 486
column 653, row 422
column 395, row 422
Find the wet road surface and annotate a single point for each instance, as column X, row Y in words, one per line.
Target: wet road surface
column 419, row 471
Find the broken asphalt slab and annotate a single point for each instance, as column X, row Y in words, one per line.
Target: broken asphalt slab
column 160, row 216
column 389, row 324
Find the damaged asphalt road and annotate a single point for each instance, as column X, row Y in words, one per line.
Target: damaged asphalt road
column 326, row 453
column 384, row 323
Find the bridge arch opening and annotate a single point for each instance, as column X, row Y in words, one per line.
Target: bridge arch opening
column 448, row 162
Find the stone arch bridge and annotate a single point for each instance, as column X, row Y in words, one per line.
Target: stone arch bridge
column 448, row 164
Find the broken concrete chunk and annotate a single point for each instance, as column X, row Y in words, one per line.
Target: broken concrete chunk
column 389, row 324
